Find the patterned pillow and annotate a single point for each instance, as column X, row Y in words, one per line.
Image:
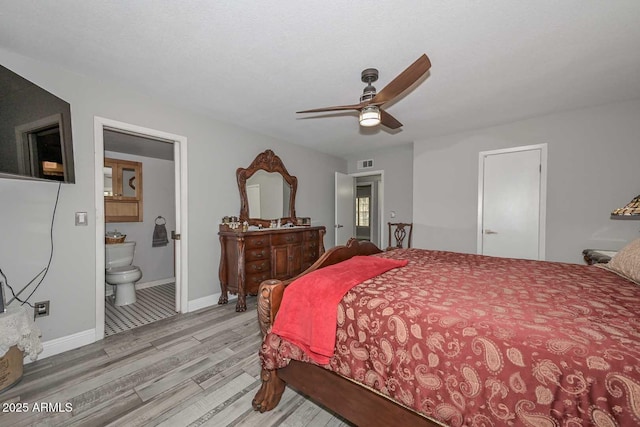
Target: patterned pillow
column 626, row 262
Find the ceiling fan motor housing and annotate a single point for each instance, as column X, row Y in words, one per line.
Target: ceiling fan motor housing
column 371, row 103
column 369, row 76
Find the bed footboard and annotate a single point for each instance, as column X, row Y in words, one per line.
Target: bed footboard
column 269, row 298
column 271, row 291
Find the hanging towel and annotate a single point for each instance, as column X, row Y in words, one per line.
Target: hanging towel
column 160, row 233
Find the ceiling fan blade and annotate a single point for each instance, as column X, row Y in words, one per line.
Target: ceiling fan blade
column 336, row 108
column 388, row 120
column 403, row 81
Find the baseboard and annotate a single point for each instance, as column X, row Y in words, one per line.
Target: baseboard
column 70, row 342
column 60, row 345
column 109, row 288
column 155, row 283
column 207, row 301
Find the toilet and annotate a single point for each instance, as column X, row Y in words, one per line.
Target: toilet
column 120, row 273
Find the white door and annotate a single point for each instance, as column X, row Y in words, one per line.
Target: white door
column 345, row 208
column 511, row 203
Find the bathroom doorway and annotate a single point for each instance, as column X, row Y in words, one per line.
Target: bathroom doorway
column 161, row 292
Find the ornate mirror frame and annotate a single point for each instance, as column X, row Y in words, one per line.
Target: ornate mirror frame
column 268, row 162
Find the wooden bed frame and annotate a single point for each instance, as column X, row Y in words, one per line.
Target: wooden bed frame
column 353, row 402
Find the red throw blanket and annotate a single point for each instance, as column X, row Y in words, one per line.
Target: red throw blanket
column 308, row 313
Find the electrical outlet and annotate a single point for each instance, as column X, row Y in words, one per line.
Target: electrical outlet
column 41, row 308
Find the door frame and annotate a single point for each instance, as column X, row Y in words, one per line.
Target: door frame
column 380, row 196
column 338, row 212
column 543, row 193
column 180, row 164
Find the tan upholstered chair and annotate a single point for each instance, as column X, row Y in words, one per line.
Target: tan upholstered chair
column 398, row 231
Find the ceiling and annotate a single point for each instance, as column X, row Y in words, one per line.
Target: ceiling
column 255, row 63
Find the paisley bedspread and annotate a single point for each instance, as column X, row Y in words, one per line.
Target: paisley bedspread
column 479, row 341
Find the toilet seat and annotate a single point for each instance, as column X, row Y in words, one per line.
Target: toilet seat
column 122, row 270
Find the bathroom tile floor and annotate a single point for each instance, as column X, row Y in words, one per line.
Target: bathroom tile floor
column 152, row 304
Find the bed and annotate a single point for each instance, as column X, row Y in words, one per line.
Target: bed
column 463, row 339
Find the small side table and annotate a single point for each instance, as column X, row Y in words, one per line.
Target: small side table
column 597, row 256
column 19, row 336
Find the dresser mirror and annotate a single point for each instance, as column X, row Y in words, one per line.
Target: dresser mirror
column 268, row 195
column 267, row 191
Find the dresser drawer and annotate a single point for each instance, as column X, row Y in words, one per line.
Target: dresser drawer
column 309, row 256
column 310, row 246
column 256, row 254
column 254, row 242
column 286, row 238
column 311, row 235
column 253, row 282
column 261, row 266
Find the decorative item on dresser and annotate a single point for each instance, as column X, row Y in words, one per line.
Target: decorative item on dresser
column 270, row 243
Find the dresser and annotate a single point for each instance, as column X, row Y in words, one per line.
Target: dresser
column 251, row 257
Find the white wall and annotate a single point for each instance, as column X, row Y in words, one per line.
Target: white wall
column 592, row 168
column 215, row 151
column 397, row 164
column 158, row 195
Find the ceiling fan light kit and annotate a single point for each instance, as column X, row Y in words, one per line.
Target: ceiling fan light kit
column 370, row 116
column 371, row 113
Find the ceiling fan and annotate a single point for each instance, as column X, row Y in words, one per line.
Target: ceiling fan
column 370, row 106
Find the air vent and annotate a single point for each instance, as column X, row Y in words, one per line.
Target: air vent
column 365, row 164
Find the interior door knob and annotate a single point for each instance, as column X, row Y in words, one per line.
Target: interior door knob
column 338, row 226
column 487, row 231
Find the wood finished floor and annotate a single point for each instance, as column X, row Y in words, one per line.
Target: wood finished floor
column 196, row 369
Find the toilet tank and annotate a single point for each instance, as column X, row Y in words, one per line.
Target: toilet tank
column 119, row 254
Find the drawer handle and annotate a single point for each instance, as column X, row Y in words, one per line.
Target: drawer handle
column 289, row 238
column 256, row 267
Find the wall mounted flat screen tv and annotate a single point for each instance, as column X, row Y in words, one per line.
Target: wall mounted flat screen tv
column 35, row 132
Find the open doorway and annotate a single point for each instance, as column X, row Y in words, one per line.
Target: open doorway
column 136, row 136
column 368, row 211
column 359, row 205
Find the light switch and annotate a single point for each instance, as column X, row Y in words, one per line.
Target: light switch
column 393, row 214
column 81, row 218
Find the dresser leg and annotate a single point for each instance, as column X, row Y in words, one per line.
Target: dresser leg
column 224, row 297
column 241, row 305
